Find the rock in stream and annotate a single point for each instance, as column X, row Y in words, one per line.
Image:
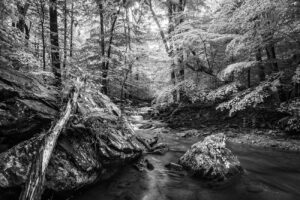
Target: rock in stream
column 211, row 160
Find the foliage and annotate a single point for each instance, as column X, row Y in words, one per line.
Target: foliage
column 236, row 68
column 196, row 93
column 252, row 96
column 164, row 96
column 200, row 54
column 296, row 77
column 291, row 123
column 292, row 107
column 223, row 93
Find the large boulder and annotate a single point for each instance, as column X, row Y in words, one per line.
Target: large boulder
column 97, row 141
column 211, row 160
column 26, row 106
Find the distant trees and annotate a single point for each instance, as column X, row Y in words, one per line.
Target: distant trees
column 244, row 50
column 210, row 46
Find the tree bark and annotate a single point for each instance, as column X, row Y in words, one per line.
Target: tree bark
column 65, row 37
column 102, row 47
column 174, row 21
column 35, row 184
column 21, row 24
column 106, row 65
column 54, row 43
column 249, row 78
column 71, row 31
column 42, row 21
column 261, row 73
column 128, row 30
column 161, row 32
column 271, row 55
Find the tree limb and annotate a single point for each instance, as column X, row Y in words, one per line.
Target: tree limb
column 35, row 184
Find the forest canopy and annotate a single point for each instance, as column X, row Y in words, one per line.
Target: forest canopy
column 235, row 54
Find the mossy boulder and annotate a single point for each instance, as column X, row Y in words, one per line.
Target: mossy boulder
column 211, row 160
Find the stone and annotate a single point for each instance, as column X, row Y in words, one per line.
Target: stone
column 211, row 160
column 149, row 165
column 160, row 149
column 143, row 164
column 26, row 106
column 174, row 166
column 146, row 126
column 188, row 133
column 96, row 142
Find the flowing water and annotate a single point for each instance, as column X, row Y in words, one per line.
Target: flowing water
column 269, row 175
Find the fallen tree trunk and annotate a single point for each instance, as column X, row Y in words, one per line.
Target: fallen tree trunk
column 35, row 184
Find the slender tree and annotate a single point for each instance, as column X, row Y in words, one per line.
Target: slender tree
column 261, row 72
column 54, row 42
column 71, row 29
column 65, row 36
column 105, row 63
column 161, row 32
column 41, row 12
column 102, row 48
column 21, row 24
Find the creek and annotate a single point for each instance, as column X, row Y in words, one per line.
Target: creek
column 269, row 175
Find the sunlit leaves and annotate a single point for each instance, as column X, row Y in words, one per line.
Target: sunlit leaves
column 236, row 68
column 252, row 96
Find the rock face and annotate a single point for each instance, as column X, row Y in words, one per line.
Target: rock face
column 97, row 141
column 26, row 106
column 211, row 160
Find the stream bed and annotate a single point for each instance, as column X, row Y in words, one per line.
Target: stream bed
column 269, row 175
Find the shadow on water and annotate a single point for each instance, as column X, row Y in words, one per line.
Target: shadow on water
column 269, row 175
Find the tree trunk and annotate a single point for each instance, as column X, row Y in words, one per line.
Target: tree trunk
column 173, row 22
column 106, row 66
column 128, row 30
column 102, row 47
column 65, row 37
column 21, row 25
column 42, row 21
column 161, row 32
column 271, row 55
column 261, row 73
column 35, row 183
column 249, row 78
column 54, row 43
column 181, row 78
column 72, row 24
column 128, row 74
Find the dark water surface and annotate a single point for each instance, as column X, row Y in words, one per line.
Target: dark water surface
column 270, row 175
